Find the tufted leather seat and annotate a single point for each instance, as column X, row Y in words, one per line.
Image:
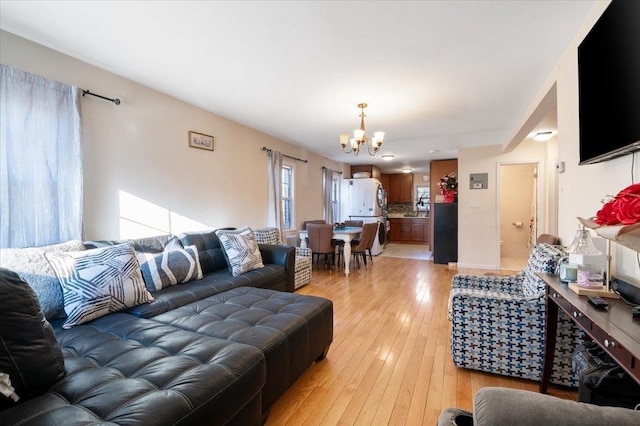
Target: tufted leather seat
column 292, row 330
column 215, row 282
column 126, row 370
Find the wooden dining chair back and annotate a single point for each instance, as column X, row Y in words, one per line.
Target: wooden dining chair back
column 320, row 235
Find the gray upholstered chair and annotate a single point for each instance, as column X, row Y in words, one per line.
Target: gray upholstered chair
column 270, row 235
column 498, row 322
column 494, row 406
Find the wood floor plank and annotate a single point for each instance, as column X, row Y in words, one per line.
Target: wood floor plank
column 390, row 360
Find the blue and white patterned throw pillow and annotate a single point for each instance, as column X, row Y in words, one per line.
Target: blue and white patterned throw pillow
column 99, row 281
column 240, row 249
column 160, row 270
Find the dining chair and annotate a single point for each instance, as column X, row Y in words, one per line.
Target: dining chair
column 320, row 236
column 306, row 222
column 359, row 248
column 339, row 244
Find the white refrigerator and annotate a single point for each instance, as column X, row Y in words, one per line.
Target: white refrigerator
column 361, row 197
column 365, row 199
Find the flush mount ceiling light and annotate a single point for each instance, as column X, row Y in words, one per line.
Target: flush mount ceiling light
column 360, row 138
column 388, row 157
column 406, row 170
column 543, row 136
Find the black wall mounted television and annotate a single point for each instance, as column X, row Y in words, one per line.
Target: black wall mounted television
column 609, row 84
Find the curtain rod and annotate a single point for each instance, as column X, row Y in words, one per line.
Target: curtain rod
column 114, row 100
column 326, row 168
column 264, row 148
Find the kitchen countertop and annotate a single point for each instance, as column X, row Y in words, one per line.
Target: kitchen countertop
column 420, row 215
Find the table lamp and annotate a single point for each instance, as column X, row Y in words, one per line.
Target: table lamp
column 591, row 263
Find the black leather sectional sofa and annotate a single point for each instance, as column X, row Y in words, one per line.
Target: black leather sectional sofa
column 220, row 350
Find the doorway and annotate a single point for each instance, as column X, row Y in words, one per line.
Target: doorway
column 518, row 213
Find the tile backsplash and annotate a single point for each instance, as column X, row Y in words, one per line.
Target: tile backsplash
column 401, row 207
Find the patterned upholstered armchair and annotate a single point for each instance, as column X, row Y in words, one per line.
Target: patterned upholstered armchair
column 498, row 322
column 271, row 235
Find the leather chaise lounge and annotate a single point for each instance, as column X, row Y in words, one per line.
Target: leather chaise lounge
column 220, row 350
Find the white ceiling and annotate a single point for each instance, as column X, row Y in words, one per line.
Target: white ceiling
column 437, row 75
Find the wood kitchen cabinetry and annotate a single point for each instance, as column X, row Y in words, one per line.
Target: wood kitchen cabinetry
column 420, row 230
column 384, row 180
column 410, row 230
column 374, row 170
column 400, row 188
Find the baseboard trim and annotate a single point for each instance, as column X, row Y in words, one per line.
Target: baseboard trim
column 473, row 266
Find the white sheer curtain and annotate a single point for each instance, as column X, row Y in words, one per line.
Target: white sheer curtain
column 40, row 160
column 275, row 216
column 327, row 194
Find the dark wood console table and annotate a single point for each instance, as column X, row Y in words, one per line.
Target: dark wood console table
column 614, row 329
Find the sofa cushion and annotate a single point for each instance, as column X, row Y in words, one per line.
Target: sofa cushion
column 271, row 277
column 32, row 265
column 99, row 281
column 209, row 249
column 241, row 250
column 127, row 370
column 155, row 244
column 29, row 352
column 178, row 266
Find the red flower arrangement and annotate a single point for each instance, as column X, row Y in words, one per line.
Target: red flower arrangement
column 448, row 185
column 623, row 209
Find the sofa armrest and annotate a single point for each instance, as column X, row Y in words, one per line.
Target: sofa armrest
column 501, row 406
column 281, row 255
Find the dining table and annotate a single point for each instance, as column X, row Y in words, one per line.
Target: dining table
column 344, row 233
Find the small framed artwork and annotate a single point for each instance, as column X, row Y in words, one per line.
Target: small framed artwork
column 200, row 140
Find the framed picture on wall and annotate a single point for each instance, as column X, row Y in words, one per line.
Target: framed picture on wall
column 200, row 140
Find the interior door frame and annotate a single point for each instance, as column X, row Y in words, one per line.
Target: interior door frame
column 540, row 198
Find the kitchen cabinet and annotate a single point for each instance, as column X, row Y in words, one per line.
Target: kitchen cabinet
column 400, row 188
column 384, row 180
column 374, row 170
column 409, row 230
column 420, row 230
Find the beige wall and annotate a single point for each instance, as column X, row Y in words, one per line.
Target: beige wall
column 575, row 193
column 137, row 162
column 478, row 209
column 580, row 188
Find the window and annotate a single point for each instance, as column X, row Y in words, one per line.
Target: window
column 287, row 196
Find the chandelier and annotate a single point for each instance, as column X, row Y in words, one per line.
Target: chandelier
column 359, row 138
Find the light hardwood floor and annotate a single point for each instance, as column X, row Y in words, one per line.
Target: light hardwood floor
column 390, row 360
